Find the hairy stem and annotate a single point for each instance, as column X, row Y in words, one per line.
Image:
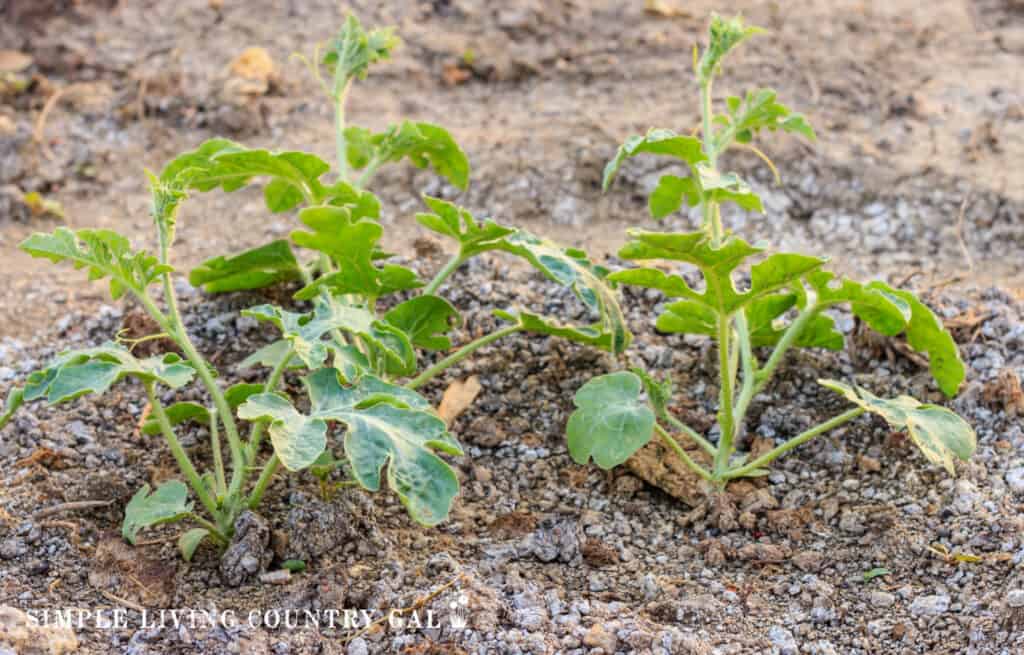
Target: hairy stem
column 801, row 438
column 789, row 337
column 218, row 459
column 340, row 143
column 694, row 436
column 214, row 531
column 749, row 369
column 681, row 452
column 459, row 355
column 725, row 416
column 269, row 469
column 443, row 274
column 180, row 456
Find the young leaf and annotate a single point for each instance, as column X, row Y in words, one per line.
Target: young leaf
column 659, row 393
column 168, row 503
column 176, row 414
column 938, row 432
column 687, row 149
column 189, row 541
column 425, row 144
column 382, row 281
column 387, row 426
column 450, row 220
column 351, row 245
column 568, row 267
column 723, row 36
column 15, row 399
column 610, row 422
column 668, row 196
column 253, row 269
column 103, row 252
column 727, row 187
column 224, row 164
column 425, row 320
column 761, row 110
column 351, row 52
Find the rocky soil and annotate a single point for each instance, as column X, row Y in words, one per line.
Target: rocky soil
column 852, row 545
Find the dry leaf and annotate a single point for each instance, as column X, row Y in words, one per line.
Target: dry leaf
column 253, row 64
column 458, row 397
column 454, row 74
column 12, row 61
column 662, row 8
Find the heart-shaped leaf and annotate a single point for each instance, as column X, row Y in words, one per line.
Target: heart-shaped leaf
column 168, row 503
column 610, row 422
column 425, row 320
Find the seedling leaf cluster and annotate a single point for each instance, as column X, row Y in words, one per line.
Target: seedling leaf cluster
column 784, row 306
column 358, row 350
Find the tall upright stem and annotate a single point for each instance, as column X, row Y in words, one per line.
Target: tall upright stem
column 340, row 143
column 725, row 416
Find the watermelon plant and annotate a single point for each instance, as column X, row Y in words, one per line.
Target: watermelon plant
column 783, row 305
column 360, row 347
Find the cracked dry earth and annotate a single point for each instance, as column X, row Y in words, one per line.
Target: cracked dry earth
column 916, row 179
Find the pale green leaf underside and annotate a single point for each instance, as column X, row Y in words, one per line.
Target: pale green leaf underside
column 253, row 269
column 939, row 433
column 610, row 422
column 169, row 502
column 686, row 149
column 189, row 541
column 387, row 426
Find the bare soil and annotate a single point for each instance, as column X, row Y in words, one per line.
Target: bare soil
column 916, row 178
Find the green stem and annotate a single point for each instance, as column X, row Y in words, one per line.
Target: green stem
column 184, row 463
column 725, row 417
column 214, row 531
column 256, row 434
column 368, row 173
column 789, row 337
column 269, row 469
column 340, row 143
column 459, row 355
column 683, row 455
column 695, row 436
column 218, row 459
column 443, row 274
column 749, row 368
column 801, row 438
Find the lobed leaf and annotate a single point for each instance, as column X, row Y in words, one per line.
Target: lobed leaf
column 568, row 267
column 425, row 320
column 657, row 141
column 253, row 269
column 103, row 253
column 759, row 110
column 169, row 502
column 388, row 426
column 425, row 145
column 939, row 433
column 610, row 422
column 587, row 335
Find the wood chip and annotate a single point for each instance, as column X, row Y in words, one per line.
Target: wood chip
column 458, row 397
column 12, row 61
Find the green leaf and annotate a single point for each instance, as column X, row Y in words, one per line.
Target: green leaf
column 305, row 332
column 759, row 110
column 253, row 269
column 659, row 142
column 450, row 220
column 727, row 187
column 875, row 573
column 294, row 565
column 774, row 273
column 764, row 313
column 659, row 393
column 926, row 333
column 568, row 267
column 610, row 422
column 387, row 426
column 270, row 355
column 189, row 541
column 176, row 414
column 94, row 370
column 237, row 394
column 668, row 196
column 939, row 433
column 587, row 335
column 426, row 145
column 384, row 280
column 884, row 312
column 351, row 52
column 103, row 253
column 224, row 164
column 425, row 320
column 15, row 398
column 168, row 503
column 723, row 36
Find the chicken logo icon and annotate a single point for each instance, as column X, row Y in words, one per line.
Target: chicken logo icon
column 459, row 616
